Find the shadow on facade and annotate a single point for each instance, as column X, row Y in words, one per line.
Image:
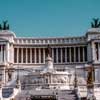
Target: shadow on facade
column 42, row 98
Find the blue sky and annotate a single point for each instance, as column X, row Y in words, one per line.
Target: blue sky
column 49, row 18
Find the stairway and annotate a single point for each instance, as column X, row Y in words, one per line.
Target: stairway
column 67, row 95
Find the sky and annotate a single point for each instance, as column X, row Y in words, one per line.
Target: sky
column 49, row 18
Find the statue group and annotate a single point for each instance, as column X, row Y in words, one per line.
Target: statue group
column 95, row 23
column 4, row 26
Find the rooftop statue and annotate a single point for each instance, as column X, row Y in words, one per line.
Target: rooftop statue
column 95, row 23
column 5, row 26
column 0, row 27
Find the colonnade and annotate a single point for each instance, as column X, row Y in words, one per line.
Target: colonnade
column 59, row 54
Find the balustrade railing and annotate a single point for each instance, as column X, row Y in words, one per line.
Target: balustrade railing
column 50, row 41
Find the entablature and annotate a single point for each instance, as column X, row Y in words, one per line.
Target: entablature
column 42, row 41
column 51, row 45
column 7, row 35
column 92, row 34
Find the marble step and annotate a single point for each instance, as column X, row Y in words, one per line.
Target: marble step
column 67, row 95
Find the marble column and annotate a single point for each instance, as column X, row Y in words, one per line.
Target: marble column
column 31, row 55
column 70, row 57
column 78, row 54
column 43, row 55
column 39, row 55
column 94, row 51
column 61, row 54
column 26, row 56
column 21, row 55
column 74, row 54
column 66, row 54
column 17, row 55
column 35, row 55
column 1, row 53
column 56, row 55
column 83, row 54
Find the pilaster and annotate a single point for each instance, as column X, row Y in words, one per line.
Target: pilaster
column 93, row 52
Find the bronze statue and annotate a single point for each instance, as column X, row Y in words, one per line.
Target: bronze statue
column 48, row 50
column 7, row 28
column 95, row 23
column 0, row 27
column 4, row 26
